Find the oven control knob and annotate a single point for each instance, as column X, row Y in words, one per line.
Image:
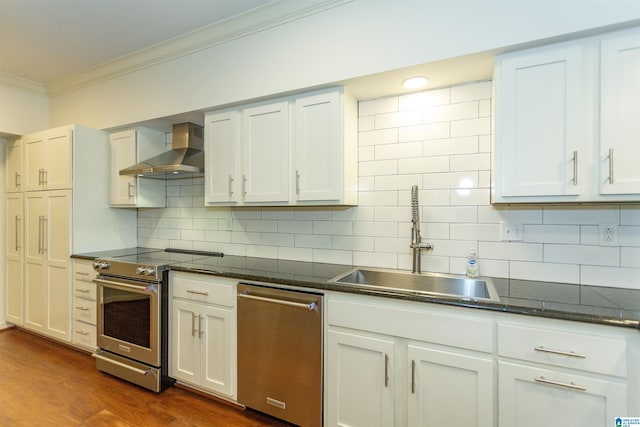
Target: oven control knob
column 140, row 271
column 101, row 265
column 150, row 271
column 145, row 271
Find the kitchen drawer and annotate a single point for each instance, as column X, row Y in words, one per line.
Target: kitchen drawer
column 83, row 272
column 422, row 322
column 592, row 353
column 84, row 290
column 84, row 310
column 203, row 288
column 84, row 335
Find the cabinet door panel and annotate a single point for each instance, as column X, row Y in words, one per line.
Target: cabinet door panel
column 266, row 153
column 36, row 157
column 317, row 146
column 540, row 124
column 221, row 155
column 123, row 154
column 215, row 332
column 582, row 401
column 620, row 113
column 185, row 342
column 14, row 174
column 58, row 172
column 358, row 393
column 448, row 388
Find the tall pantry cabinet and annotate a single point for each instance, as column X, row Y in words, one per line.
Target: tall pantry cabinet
column 65, row 205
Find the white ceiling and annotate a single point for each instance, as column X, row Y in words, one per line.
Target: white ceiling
column 45, row 40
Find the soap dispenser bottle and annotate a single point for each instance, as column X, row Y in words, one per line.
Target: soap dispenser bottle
column 472, row 263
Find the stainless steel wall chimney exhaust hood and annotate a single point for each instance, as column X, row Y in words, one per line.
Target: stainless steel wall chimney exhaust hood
column 185, row 158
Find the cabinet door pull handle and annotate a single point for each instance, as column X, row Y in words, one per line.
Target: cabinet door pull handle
column 575, row 167
column 297, row 182
column 193, row 325
column 386, row 370
column 45, row 178
column 413, row 377
column 200, row 332
column 244, row 185
column 198, row 292
column 17, row 233
column 44, row 234
column 570, row 386
column 610, row 165
column 40, row 234
column 17, row 180
column 230, row 186
column 130, row 190
column 40, row 176
column 561, row 352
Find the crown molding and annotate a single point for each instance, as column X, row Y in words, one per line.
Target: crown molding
column 22, row 83
column 263, row 18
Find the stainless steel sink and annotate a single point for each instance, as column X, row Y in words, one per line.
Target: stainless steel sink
column 480, row 288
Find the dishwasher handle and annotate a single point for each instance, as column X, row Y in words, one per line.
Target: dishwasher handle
column 308, row 306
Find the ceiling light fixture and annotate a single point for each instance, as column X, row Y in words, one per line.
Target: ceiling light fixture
column 415, row 82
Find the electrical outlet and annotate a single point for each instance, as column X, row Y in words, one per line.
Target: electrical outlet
column 608, row 234
column 510, row 231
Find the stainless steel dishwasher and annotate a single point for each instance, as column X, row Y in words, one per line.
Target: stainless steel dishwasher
column 280, row 353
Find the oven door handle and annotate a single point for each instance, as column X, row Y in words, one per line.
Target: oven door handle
column 122, row 365
column 144, row 289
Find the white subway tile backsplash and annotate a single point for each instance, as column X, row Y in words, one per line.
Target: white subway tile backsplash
column 440, row 140
column 422, row 132
column 378, row 106
column 420, row 100
column 577, row 254
column 471, row 91
column 545, row 272
column 471, row 127
column 630, row 257
column 568, row 234
column 610, row 276
column 448, row 146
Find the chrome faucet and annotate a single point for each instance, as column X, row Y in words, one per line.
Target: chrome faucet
column 416, row 239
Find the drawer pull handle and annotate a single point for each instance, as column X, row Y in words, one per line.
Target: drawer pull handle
column 198, row 292
column 84, row 291
column 82, row 273
column 561, row 352
column 83, row 333
column 82, row 308
column 570, row 386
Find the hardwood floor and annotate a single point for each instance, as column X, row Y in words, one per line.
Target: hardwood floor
column 43, row 383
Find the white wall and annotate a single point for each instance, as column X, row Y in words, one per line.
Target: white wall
column 24, row 106
column 354, row 39
column 439, row 140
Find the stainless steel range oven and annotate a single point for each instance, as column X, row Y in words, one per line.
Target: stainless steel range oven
column 132, row 313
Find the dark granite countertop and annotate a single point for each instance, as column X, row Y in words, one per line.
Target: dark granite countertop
column 592, row 304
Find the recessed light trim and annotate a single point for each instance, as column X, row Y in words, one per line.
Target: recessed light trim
column 415, row 82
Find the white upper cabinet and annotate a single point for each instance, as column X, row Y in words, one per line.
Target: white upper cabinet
column 48, row 159
column 295, row 151
column 222, row 148
column 13, row 169
column 325, row 145
column 265, row 153
column 540, row 132
column 128, row 147
column 620, row 114
column 549, row 104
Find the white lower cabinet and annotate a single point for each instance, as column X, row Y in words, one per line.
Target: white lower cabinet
column 389, row 363
column 554, row 373
column 202, row 329
column 358, row 384
column 534, row 396
column 449, row 388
